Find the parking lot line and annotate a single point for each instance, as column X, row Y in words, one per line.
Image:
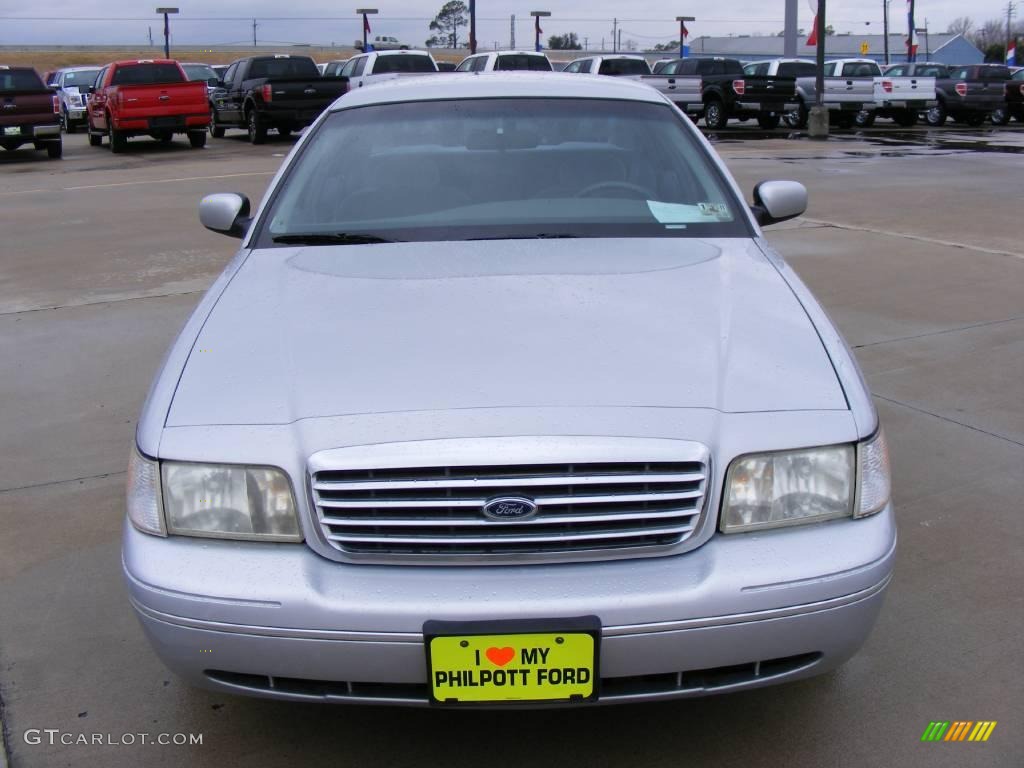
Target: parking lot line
column 141, row 182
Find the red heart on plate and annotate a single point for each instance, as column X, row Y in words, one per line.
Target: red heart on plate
column 501, row 656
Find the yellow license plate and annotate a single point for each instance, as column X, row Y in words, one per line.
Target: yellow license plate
column 468, row 665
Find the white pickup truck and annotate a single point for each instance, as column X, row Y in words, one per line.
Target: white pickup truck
column 505, row 61
column 379, row 66
column 856, row 92
column 617, row 64
column 849, row 89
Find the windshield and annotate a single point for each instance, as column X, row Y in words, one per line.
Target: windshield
column 283, row 68
column 624, row 67
column 861, row 69
column 20, row 80
column 521, row 61
column 797, row 69
column 1019, row 74
column 146, row 74
column 200, row 72
column 503, row 168
column 80, row 77
column 403, row 62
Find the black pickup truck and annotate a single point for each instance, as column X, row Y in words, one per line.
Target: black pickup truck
column 728, row 92
column 29, row 112
column 279, row 91
column 969, row 94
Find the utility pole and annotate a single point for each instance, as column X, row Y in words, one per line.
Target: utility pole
column 512, row 33
column 151, row 37
column 472, row 28
column 615, row 35
column 619, row 44
column 885, row 27
column 254, row 25
column 586, row 43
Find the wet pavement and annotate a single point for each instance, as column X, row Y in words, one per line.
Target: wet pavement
column 912, row 242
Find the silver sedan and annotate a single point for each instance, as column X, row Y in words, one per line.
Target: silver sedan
column 506, row 401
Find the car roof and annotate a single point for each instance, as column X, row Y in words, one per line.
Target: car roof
column 497, row 85
column 398, row 53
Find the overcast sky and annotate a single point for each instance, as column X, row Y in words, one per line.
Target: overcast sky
column 645, row 21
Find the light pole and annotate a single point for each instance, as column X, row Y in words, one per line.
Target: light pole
column 366, row 13
column 536, row 28
column 167, row 29
column 885, row 27
column 683, row 32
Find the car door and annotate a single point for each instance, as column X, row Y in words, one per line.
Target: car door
column 359, row 67
column 228, row 100
column 98, row 101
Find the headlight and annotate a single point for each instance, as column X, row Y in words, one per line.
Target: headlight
column 143, row 492
column 229, row 502
column 771, row 490
column 789, row 487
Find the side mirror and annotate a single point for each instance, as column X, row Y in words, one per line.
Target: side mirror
column 226, row 213
column 776, row 201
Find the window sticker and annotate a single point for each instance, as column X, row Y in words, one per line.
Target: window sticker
column 672, row 214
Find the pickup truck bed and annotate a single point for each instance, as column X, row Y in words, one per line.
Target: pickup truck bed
column 29, row 112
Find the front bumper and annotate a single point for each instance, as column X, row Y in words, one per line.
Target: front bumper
column 742, row 611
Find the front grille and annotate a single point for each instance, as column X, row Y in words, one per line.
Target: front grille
column 438, row 511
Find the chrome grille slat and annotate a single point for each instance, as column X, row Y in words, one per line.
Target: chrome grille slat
column 478, row 502
column 473, row 522
column 498, row 539
column 432, row 513
column 502, row 482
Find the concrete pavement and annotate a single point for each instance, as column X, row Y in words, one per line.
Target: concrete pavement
column 915, row 251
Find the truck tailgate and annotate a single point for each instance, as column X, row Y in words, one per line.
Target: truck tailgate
column 764, row 88
column 903, row 90
column 152, row 102
column 303, row 94
column 18, row 107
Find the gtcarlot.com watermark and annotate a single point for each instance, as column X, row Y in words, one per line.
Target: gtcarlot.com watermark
column 57, row 737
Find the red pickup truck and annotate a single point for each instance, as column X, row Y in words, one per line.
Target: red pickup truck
column 29, row 112
column 146, row 97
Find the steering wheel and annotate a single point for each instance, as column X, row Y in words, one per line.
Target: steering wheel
column 641, row 193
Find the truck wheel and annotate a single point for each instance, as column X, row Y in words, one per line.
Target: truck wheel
column 54, row 150
column 95, row 139
column 257, row 130
column 715, row 116
column 217, row 131
column 865, row 119
column 1000, row 116
column 906, row 118
column 117, row 140
column 769, row 122
column 797, row 118
column 65, row 122
column 936, row 116
column 197, row 139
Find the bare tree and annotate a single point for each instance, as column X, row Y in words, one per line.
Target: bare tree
column 961, row 25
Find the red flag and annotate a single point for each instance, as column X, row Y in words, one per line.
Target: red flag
column 366, row 24
column 812, row 39
column 686, row 32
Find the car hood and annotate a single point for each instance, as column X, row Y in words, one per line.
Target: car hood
column 664, row 322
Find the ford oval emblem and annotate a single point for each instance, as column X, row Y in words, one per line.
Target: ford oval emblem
column 510, row 508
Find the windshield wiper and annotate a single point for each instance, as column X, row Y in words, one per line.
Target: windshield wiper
column 537, row 236
column 331, row 238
